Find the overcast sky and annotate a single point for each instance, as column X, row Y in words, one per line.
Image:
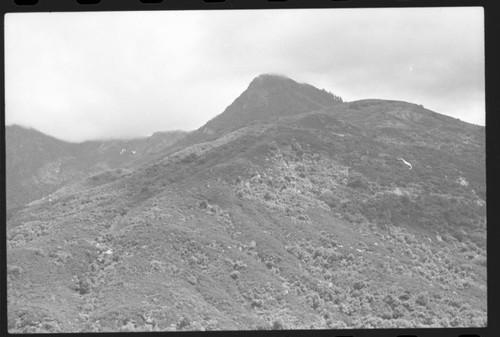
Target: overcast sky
column 94, row 75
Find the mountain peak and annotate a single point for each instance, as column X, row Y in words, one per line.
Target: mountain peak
column 270, row 80
column 276, row 85
column 268, row 97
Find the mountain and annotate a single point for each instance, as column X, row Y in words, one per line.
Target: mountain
column 296, row 210
column 38, row 164
column 33, row 162
column 267, row 98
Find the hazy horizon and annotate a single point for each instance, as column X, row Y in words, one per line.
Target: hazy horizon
column 147, row 135
column 123, row 75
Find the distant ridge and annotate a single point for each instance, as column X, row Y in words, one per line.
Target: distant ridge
column 37, row 164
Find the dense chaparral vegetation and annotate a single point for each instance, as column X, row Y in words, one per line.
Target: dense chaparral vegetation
column 290, row 210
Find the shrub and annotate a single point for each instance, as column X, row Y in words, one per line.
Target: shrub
column 268, row 196
column 404, row 297
column 398, row 312
column 261, row 327
column 83, row 286
column 277, row 325
column 356, row 293
column 51, row 326
column 356, row 183
column 256, row 303
column 14, row 270
column 314, row 301
column 422, row 300
column 480, row 260
column 156, row 265
column 183, row 323
column 239, row 265
column 300, row 168
column 405, row 200
column 189, row 158
column 234, row 274
column 359, row 285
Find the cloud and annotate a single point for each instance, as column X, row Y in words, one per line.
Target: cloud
column 93, row 75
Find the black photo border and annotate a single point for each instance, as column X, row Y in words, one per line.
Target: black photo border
column 492, row 60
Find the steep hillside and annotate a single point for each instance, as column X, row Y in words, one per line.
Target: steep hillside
column 38, row 164
column 267, row 98
column 33, row 162
column 368, row 214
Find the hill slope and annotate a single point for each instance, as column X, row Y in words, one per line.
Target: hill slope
column 267, row 98
column 306, row 220
column 38, row 164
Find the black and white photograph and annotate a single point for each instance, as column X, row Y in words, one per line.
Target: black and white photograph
column 234, row 170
